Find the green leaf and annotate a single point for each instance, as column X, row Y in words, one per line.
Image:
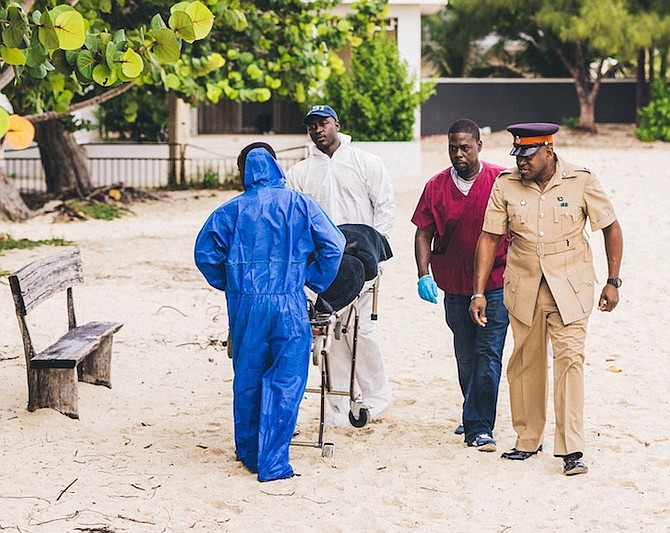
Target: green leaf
column 119, row 37
column 132, row 64
column 104, row 76
column 202, row 18
column 110, row 55
column 61, row 63
column 35, row 56
column 71, row 30
column 39, row 72
column 263, row 94
column 94, row 43
column 47, row 32
column 157, row 23
column 85, row 64
column 57, row 83
column 344, row 25
column 254, row 72
column 180, row 6
column 165, row 48
column 15, row 28
column 182, row 25
column 63, row 101
column 4, row 121
column 172, row 82
column 213, row 92
column 12, row 56
column 214, row 61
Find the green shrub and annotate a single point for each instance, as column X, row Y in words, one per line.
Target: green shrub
column 7, row 242
column 376, row 97
column 139, row 115
column 571, row 122
column 97, row 210
column 655, row 118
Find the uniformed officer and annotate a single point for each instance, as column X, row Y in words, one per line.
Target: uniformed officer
column 549, row 285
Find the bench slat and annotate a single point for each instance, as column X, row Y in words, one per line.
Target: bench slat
column 71, row 348
column 39, row 280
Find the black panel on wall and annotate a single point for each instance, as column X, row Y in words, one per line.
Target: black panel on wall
column 502, row 102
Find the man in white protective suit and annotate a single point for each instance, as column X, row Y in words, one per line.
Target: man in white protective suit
column 354, row 187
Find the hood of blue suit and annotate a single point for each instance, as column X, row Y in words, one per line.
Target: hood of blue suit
column 262, row 170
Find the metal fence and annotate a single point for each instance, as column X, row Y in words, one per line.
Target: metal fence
column 208, row 170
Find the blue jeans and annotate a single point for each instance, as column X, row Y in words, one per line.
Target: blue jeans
column 479, row 354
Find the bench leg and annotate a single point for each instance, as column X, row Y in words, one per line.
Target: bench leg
column 96, row 368
column 55, row 388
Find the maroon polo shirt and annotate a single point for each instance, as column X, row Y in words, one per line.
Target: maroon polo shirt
column 456, row 222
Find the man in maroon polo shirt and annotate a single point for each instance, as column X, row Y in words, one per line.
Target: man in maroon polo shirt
column 449, row 219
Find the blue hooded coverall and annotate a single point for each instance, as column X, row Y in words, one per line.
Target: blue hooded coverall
column 261, row 248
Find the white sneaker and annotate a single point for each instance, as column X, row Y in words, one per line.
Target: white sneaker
column 484, row 443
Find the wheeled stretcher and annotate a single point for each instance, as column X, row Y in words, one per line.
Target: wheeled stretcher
column 327, row 327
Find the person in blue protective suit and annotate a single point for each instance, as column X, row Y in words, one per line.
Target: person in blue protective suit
column 262, row 247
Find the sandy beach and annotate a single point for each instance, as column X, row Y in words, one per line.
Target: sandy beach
column 155, row 452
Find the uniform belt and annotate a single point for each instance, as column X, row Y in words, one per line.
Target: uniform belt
column 548, row 248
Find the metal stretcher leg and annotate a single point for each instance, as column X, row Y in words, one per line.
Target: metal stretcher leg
column 322, row 332
column 324, row 328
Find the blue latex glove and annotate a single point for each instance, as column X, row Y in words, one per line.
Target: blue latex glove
column 428, row 289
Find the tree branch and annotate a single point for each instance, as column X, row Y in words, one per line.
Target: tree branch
column 96, row 100
column 6, row 77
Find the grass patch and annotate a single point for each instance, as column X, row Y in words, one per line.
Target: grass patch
column 100, row 211
column 7, row 242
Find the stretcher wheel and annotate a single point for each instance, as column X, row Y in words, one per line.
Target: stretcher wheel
column 328, row 449
column 337, row 330
column 362, row 419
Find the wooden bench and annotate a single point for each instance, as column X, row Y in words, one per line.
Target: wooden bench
column 84, row 353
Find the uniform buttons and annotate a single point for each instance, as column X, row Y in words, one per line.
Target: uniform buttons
column 542, row 197
column 541, row 215
column 541, row 234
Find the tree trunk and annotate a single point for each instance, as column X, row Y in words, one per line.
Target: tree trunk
column 641, row 98
column 587, row 105
column 12, row 206
column 179, row 132
column 65, row 162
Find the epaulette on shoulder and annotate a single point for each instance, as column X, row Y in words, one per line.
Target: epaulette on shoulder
column 583, row 169
column 506, row 171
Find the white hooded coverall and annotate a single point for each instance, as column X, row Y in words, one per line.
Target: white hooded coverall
column 354, row 187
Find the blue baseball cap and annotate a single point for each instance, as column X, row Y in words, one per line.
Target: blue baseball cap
column 530, row 136
column 320, row 111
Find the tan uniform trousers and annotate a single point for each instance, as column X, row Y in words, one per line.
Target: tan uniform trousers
column 527, row 373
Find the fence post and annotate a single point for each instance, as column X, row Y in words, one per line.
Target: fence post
column 173, row 168
column 182, row 164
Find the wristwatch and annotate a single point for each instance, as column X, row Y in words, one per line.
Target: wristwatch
column 614, row 281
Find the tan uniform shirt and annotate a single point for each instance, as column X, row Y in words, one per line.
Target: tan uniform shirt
column 549, row 238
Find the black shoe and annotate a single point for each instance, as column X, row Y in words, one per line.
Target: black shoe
column 459, row 430
column 519, row 455
column 573, row 464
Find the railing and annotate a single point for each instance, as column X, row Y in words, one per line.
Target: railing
column 209, row 170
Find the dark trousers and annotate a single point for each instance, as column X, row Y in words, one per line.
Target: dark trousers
column 479, row 353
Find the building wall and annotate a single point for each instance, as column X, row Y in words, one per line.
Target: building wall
column 496, row 103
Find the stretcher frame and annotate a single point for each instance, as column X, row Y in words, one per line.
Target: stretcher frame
column 324, row 328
